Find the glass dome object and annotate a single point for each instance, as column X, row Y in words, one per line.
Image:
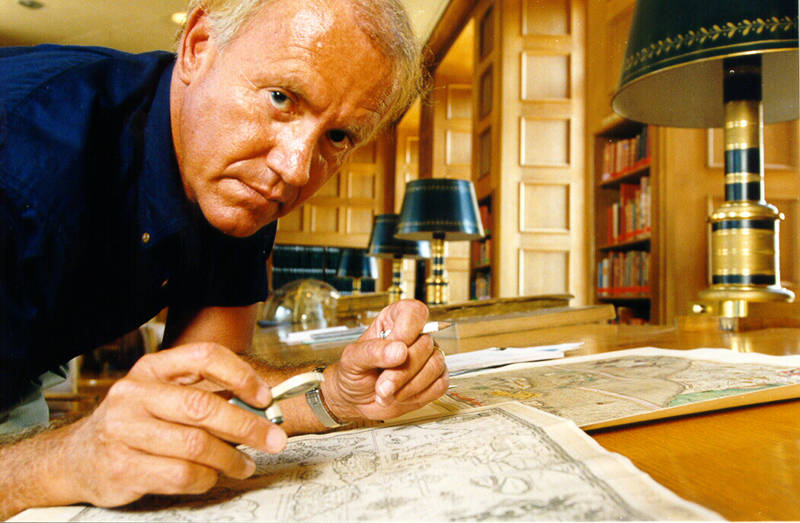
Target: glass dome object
column 309, row 302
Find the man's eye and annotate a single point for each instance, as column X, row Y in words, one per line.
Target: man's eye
column 279, row 100
column 339, row 138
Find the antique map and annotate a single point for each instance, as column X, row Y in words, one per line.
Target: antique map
column 632, row 385
column 507, row 462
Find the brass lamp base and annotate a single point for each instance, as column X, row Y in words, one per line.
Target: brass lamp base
column 745, row 229
column 437, row 288
column 744, row 257
column 396, row 289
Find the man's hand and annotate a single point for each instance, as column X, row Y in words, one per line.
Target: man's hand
column 384, row 378
column 159, row 430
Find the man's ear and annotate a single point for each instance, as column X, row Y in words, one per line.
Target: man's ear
column 193, row 50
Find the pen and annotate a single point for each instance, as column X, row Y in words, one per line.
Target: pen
column 430, row 327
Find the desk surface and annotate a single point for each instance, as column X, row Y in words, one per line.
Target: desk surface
column 742, row 463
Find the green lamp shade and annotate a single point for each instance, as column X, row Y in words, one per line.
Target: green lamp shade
column 673, row 73
column 384, row 244
column 354, row 263
column 438, row 207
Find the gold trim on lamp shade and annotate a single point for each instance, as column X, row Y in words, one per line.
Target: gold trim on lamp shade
column 672, row 71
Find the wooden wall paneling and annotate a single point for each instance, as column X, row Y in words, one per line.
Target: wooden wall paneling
column 687, row 184
column 544, row 271
column 452, row 150
column 406, row 169
column 452, row 143
column 542, row 188
column 595, row 43
column 544, row 207
column 507, row 112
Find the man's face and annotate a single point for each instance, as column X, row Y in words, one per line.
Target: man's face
column 263, row 123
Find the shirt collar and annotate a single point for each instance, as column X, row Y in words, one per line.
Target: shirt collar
column 164, row 208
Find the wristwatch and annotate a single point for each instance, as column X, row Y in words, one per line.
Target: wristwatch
column 318, row 407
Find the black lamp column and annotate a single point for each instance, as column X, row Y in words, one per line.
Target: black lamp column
column 744, row 230
column 396, row 289
column 437, row 288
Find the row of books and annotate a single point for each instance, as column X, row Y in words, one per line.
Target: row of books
column 304, row 256
column 481, row 286
column 623, row 273
column 486, row 218
column 623, row 155
column 294, row 262
column 482, row 252
column 631, row 218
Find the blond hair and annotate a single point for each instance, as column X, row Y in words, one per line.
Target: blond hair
column 384, row 22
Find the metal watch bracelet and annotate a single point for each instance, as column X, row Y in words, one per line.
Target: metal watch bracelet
column 320, row 410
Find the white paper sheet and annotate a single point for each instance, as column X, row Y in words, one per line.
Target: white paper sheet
column 508, row 462
column 492, row 357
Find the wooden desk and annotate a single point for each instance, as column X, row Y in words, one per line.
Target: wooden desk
column 743, row 463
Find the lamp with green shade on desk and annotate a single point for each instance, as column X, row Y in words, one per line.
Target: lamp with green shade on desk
column 439, row 210
column 730, row 64
column 356, row 265
column 384, row 244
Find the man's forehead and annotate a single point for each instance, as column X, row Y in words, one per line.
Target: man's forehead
column 310, row 23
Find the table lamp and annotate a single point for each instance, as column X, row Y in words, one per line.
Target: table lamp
column 355, row 264
column 730, row 64
column 439, row 210
column 384, row 244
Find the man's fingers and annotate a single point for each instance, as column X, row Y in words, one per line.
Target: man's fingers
column 434, row 368
column 366, row 356
column 404, row 319
column 193, row 444
column 189, row 364
column 198, row 408
column 395, row 378
column 433, row 392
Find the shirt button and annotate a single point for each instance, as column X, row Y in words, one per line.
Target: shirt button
column 146, row 237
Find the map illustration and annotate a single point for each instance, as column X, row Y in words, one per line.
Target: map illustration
column 595, row 389
column 508, row 462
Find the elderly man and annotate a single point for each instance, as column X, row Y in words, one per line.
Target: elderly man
column 129, row 183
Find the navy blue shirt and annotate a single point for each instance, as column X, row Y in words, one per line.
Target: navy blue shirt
column 96, row 232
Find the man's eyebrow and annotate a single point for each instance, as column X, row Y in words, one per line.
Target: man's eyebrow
column 359, row 132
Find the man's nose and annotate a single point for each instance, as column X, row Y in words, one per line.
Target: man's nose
column 292, row 153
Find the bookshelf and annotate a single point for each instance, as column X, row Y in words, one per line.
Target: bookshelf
column 480, row 264
column 624, row 225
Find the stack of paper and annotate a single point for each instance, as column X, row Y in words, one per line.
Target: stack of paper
column 498, row 356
